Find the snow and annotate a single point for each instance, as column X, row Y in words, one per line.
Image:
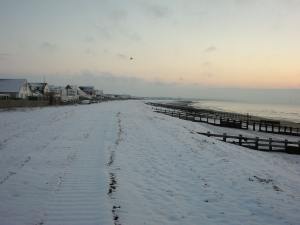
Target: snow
column 121, row 163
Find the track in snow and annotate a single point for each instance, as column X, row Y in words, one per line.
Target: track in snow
column 113, row 183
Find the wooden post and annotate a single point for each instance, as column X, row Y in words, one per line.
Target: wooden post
column 224, row 137
column 272, row 127
column 256, row 143
column 270, row 144
column 259, row 126
column 240, row 139
column 291, row 130
column 248, row 118
column 253, row 125
column 285, row 144
column 208, row 134
column 284, row 129
column 206, row 118
column 299, row 147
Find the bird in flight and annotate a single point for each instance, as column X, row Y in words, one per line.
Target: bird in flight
column 131, row 58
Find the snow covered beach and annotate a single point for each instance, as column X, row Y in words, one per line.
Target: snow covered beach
column 121, row 163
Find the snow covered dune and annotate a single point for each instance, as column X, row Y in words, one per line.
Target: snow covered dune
column 120, row 163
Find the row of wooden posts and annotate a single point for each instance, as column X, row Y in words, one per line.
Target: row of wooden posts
column 217, row 120
column 257, row 143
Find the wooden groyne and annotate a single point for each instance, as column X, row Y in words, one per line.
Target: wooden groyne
column 225, row 119
column 262, row 144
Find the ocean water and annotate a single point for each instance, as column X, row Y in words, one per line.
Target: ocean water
column 273, row 111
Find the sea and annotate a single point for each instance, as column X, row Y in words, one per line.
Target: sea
column 287, row 112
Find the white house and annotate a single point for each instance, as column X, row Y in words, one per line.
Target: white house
column 57, row 91
column 71, row 94
column 99, row 95
column 15, row 88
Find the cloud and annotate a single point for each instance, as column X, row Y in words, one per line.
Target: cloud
column 4, row 56
column 113, row 32
column 207, row 74
column 133, row 36
column 89, row 39
column 210, row 49
column 90, row 52
column 155, row 10
column 118, row 16
column 206, row 63
column 122, row 56
column 243, row 2
column 114, row 26
column 106, row 51
column 49, row 47
column 105, row 32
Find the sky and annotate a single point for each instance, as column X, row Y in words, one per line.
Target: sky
column 226, row 44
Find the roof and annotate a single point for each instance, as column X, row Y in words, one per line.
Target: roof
column 87, row 88
column 83, row 94
column 53, row 88
column 37, row 86
column 74, row 87
column 11, row 85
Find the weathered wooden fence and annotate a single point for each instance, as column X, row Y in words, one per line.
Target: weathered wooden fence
column 257, row 143
column 226, row 119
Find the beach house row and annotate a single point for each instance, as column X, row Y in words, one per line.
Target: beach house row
column 21, row 89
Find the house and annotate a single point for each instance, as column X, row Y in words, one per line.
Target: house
column 83, row 95
column 57, row 91
column 14, row 88
column 4, row 96
column 56, row 94
column 99, row 94
column 70, row 94
column 88, row 90
column 39, row 89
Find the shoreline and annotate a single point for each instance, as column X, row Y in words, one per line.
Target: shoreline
column 189, row 104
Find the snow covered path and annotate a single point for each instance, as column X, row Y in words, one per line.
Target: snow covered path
column 120, row 163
